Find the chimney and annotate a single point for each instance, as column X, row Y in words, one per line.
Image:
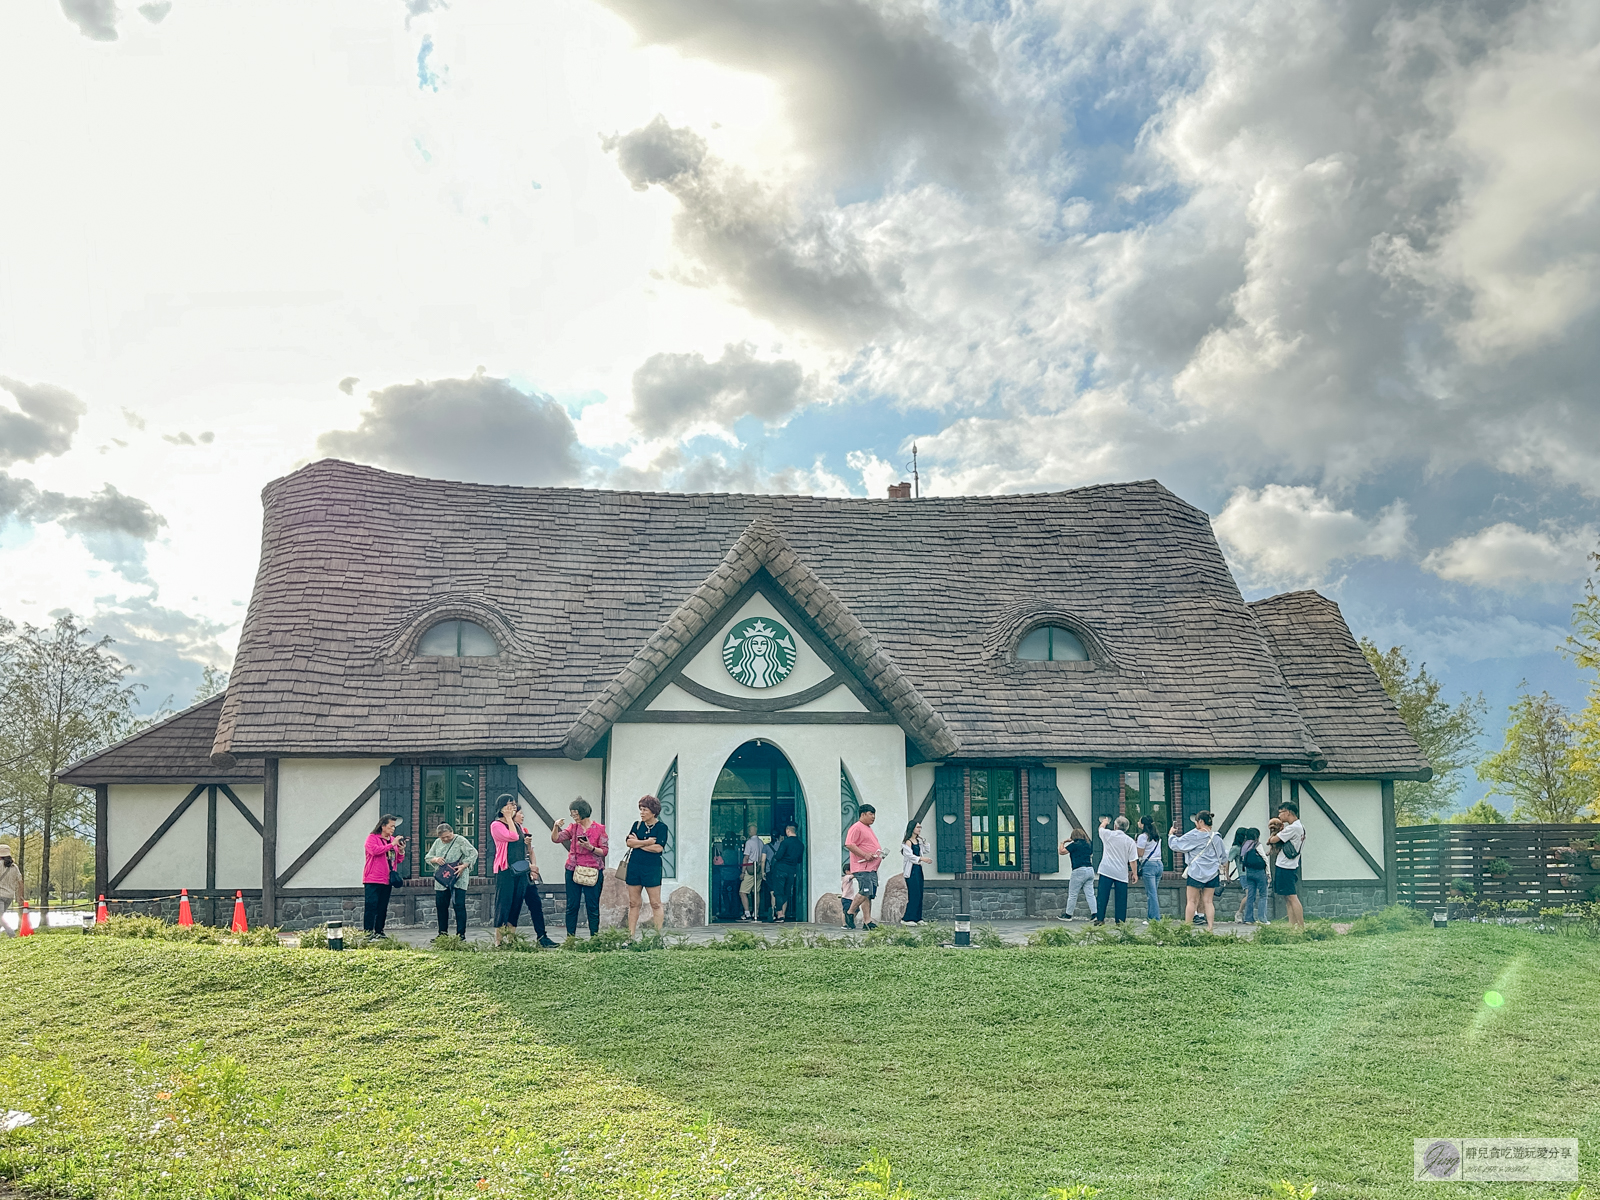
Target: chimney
column 899, row 491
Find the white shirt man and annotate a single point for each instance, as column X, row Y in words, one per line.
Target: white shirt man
column 1291, row 843
column 1118, row 856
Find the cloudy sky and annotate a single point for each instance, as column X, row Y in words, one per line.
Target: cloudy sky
column 1327, row 270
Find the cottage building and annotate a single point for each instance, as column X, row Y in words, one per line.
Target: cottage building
column 1001, row 668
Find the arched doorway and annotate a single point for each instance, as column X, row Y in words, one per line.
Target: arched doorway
column 756, row 786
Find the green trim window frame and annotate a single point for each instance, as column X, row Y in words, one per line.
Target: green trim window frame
column 449, row 795
column 667, row 793
column 996, row 818
column 849, row 811
column 1147, row 791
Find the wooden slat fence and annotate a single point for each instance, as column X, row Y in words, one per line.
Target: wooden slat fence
column 1429, row 857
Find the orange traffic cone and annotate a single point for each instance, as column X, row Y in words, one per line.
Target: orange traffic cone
column 240, row 924
column 24, row 926
column 185, row 917
column 100, row 912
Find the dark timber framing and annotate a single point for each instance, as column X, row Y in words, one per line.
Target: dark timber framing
column 161, row 832
column 533, row 801
column 1244, row 798
column 102, row 838
column 269, row 842
column 211, row 838
column 1355, row 842
column 328, row 834
column 760, row 703
column 1390, row 847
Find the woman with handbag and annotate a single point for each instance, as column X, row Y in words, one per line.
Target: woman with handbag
column 452, row 859
column 646, row 840
column 586, row 845
column 385, row 852
column 516, row 876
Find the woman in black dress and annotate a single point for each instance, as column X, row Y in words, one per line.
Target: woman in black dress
column 647, row 838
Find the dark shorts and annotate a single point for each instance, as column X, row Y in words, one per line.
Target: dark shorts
column 1208, row 884
column 867, row 883
column 1286, row 881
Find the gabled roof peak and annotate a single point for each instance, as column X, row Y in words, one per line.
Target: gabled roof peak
column 762, row 546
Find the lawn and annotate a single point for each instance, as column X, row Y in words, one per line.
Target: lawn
column 185, row 1071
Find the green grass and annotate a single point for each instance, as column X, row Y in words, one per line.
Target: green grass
column 1148, row 1071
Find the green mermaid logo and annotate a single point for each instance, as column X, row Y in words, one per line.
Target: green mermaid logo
column 758, row 652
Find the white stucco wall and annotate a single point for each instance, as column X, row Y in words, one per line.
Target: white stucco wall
column 178, row 860
column 238, row 843
column 312, row 792
column 557, row 782
column 706, row 668
column 1227, row 782
column 874, row 754
column 1359, row 804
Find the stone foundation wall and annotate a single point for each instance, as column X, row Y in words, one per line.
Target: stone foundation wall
column 1337, row 902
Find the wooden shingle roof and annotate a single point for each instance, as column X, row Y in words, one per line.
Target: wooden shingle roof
column 576, row 584
column 1350, row 715
column 177, row 750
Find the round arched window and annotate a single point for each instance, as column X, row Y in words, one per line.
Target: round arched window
column 1052, row 643
column 458, row 639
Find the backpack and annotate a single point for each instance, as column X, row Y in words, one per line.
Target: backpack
column 1252, row 857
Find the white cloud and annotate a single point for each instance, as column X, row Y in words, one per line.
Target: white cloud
column 1293, row 534
column 1511, row 558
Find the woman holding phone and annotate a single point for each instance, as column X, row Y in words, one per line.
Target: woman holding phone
column 385, row 852
column 516, row 876
column 586, row 844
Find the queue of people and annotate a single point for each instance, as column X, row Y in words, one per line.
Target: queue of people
column 1209, row 866
column 775, row 869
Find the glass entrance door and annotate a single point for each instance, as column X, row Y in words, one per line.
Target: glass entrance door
column 449, row 794
column 757, row 787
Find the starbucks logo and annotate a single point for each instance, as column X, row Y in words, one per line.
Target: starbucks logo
column 758, row 652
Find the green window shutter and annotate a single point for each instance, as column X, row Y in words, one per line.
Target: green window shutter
column 1105, row 800
column 394, row 791
column 949, row 810
column 394, row 798
column 1196, row 794
column 502, row 780
column 1043, row 797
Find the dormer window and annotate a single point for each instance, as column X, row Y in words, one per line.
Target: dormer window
column 458, row 639
column 1052, row 643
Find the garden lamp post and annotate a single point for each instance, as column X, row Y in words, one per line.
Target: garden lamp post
column 335, row 935
column 963, row 929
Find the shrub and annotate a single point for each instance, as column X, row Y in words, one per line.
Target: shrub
column 1052, row 937
column 1285, row 934
column 157, row 929
column 512, row 942
column 740, row 939
column 892, row 935
column 450, row 943
column 987, row 937
column 1397, row 918
column 264, row 935
column 315, row 938
column 1464, row 887
column 610, row 940
column 1499, row 866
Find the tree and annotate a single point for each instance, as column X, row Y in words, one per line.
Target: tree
column 1536, row 767
column 67, row 698
column 1583, row 647
column 1481, row 813
column 212, row 681
column 1447, row 733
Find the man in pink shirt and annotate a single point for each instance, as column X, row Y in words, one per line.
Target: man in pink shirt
column 865, row 855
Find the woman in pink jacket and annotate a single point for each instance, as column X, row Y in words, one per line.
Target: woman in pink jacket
column 385, row 852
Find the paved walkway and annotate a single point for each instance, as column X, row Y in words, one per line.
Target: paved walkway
column 1014, row 932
